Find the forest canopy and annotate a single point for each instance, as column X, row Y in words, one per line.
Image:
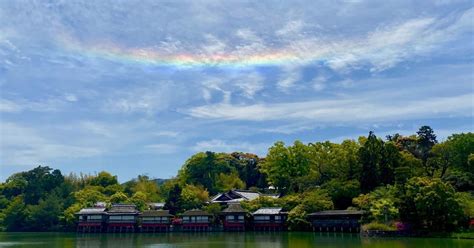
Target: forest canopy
column 411, row 179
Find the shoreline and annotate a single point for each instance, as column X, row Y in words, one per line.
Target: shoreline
column 369, row 235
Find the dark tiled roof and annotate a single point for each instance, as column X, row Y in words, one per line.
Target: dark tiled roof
column 234, row 208
column 123, row 209
column 337, row 212
column 90, row 211
column 268, row 211
column 153, row 213
column 196, row 212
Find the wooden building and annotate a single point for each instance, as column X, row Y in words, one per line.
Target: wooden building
column 91, row 219
column 234, row 217
column 196, row 220
column 122, row 218
column 336, row 220
column 155, row 221
column 269, row 219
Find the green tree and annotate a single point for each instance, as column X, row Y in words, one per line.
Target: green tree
column 118, row 197
column 203, row 169
column 103, row 179
column 140, row 200
column 342, row 192
column 15, row 215
column 173, row 200
column 88, row 196
column 45, row 215
column 370, row 156
column 225, row 182
column 284, row 165
column 193, row 197
column 430, row 203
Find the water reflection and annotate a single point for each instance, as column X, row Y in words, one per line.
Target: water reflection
column 226, row 240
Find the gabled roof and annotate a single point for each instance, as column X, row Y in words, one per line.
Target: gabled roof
column 156, row 205
column 156, row 213
column 268, row 211
column 196, row 212
column 88, row 211
column 234, row 208
column 123, row 209
column 238, row 195
column 337, row 212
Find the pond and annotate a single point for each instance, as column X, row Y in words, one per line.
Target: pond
column 219, row 239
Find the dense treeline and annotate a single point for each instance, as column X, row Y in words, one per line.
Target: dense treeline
column 414, row 180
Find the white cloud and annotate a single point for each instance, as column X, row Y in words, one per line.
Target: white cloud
column 250, row 84
column 356, row 109
column 290, row 76
column 162, row 148
column 292, row 28
column 21, row 145
column 9, row 106
column 97, row 128
column 319, row 83
column 70, row 97
column 166, row 133
column 218, row 145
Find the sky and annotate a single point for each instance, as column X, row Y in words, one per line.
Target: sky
column 137, row 87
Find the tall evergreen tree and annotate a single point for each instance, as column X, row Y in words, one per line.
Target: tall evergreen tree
column 370, row 155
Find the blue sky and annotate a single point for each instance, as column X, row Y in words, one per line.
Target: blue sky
column 136, row 87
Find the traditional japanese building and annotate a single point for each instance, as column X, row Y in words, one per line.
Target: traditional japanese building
column 122, row 218
column 91, row 219
column 336, row 220
column 155, row 221
column 234, row 217
column 196, row 220
column 269, row 219
column 238, row 196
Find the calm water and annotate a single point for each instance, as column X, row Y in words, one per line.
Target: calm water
column 248, row 240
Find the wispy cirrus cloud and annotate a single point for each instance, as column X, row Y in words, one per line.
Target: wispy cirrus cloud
column 341, row 110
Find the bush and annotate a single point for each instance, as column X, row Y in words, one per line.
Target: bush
column 376, row 226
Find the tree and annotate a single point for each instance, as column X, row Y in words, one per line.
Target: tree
column 370, row 156
column 118, row 197
column 103, row 179
column 230, row 181
column 89, row 196
column 342, row 192
column 45, row 215
column 193, row 197
column 203, row 168
column 15, row 215
column 426, row 141
column 430, row 203
column 173, row 200
column 284, row 165
column 384, row 210
column 390, row 161
column 148, row 187
column 140, row 200
column 247, row 166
